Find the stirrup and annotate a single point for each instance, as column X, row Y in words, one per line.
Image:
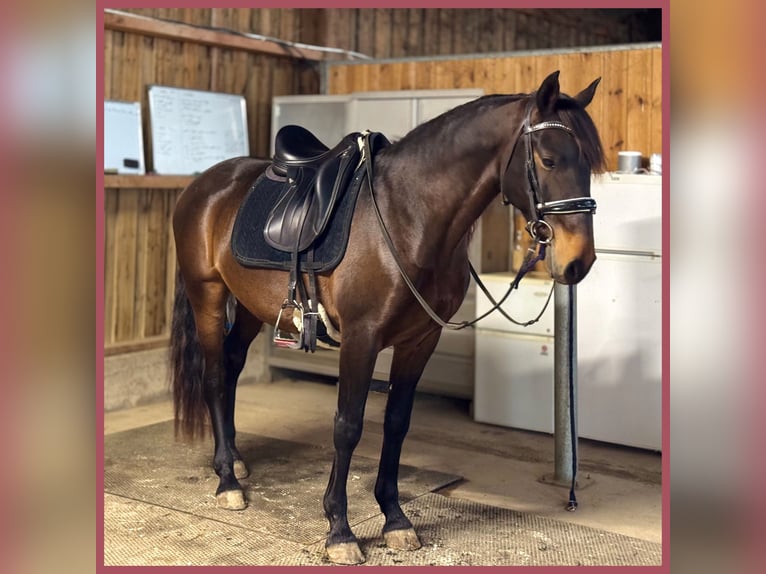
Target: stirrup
column 287, row 340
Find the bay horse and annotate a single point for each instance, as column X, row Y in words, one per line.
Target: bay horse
column 430, row 188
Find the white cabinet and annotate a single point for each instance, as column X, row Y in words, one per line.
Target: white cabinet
column 393, row 113
column 514, row 380
column 523, row 304
column 619, row 315
column 514, row 364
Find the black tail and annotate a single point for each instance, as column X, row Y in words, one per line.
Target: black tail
column 186, row 368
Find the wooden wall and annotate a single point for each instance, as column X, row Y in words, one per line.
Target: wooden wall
column 139, row 260
column 395, row 33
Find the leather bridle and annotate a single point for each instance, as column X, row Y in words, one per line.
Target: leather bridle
column 537, row 227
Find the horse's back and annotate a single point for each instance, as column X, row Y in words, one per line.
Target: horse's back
column 225, row 181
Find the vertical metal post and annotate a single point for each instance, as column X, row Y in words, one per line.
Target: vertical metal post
column 564, row 374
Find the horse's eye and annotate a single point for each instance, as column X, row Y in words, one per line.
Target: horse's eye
column 548, row 163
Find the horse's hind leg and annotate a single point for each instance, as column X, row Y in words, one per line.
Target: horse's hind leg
column 235, row 347
column 208, row 300
column 406, row 368
column 357, row 360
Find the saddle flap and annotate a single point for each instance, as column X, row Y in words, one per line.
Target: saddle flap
column 311, row 192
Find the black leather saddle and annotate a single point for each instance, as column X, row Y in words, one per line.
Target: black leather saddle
column 317, row 177
column 313, row 190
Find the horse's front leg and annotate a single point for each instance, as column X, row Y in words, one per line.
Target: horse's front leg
column 357, row 361
column 406, row 368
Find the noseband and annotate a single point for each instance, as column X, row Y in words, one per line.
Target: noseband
column 537, row 227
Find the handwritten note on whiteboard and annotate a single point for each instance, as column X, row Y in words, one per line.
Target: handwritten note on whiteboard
column 123, row 138
column 193, row 130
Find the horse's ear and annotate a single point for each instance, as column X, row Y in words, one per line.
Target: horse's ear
column 585, row 97
column 548, row 94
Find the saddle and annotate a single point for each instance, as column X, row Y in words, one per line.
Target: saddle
column 317, row 177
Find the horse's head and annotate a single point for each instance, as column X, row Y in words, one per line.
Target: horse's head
column 548, row 177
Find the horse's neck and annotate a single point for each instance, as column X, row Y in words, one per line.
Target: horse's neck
column 442, row 192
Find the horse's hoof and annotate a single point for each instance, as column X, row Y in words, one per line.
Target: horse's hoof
column 402, row 539
column 345, row 553
column 240, row 469
column 231, row 500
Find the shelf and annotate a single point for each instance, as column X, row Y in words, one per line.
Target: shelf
column 147, row 181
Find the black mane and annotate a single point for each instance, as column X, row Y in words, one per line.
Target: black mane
column 442, row 127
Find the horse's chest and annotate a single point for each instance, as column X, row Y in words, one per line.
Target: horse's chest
column 446, row 290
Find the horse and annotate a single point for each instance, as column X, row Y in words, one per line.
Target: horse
column 429, row 189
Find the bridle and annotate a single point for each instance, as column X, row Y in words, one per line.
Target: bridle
column 540, row 230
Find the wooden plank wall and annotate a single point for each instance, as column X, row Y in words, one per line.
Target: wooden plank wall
column 139, row 260
column 139, row 265
column 396, row 33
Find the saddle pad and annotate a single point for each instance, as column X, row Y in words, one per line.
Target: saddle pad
column 249, row 245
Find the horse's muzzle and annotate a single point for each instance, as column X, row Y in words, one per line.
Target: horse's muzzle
column 575, row 271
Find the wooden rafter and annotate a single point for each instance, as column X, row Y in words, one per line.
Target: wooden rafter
column 136, row 24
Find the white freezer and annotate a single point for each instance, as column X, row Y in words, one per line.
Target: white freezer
column 514, row 380
column 619, row 336
column 523, row 304
column 629, row 212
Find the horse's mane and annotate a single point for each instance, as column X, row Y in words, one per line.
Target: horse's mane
column 568, row 109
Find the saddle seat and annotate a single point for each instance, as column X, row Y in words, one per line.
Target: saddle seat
column 295, row 145
column 316, row 177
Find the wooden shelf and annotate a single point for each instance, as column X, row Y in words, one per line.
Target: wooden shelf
column 147, row 181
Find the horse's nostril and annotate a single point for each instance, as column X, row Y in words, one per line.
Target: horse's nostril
column 574, row 271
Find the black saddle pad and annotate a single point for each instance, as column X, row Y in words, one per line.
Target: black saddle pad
column 249, row 245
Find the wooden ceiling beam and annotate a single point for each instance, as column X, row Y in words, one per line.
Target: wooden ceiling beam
column 179, row 31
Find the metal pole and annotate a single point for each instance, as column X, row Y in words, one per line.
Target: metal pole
column 564, row 372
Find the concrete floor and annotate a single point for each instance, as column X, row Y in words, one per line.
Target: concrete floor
column 620, row 487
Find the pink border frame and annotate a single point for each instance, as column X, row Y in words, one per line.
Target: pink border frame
column 662, row 4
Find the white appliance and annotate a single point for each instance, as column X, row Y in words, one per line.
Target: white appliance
column 514, row 364
column 619, row 330
column 619, row 315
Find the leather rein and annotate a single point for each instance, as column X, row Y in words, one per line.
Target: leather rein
column 537, row 227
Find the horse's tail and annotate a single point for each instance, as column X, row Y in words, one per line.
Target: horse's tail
column 186, row 368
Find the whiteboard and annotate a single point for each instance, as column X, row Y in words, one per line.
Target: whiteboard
column 193, row 129
column 123, row 138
